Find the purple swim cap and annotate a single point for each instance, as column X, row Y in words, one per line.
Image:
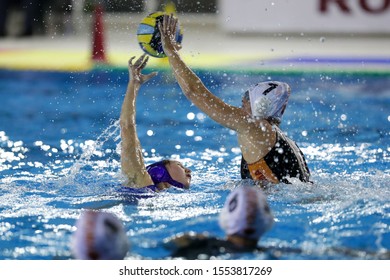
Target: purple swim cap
column 159, row 174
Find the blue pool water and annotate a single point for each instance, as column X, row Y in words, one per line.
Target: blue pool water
column 59, row 143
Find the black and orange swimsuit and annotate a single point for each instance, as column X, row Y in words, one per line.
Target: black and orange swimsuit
column 283, row 161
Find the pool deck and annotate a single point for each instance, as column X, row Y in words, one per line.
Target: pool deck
column 205, row 46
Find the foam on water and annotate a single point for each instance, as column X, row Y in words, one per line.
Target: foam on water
column 338, row 208
column 47, row 179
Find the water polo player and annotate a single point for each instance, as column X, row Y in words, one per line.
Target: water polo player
column 245, row 218
column 160, row 175
column 270, row 156
column 99, row 236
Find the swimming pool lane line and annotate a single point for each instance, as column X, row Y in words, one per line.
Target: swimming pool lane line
column 79, row 61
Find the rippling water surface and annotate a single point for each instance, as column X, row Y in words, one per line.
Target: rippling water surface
column 59, row 154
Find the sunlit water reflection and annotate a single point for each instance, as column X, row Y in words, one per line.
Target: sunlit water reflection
column 59, row 154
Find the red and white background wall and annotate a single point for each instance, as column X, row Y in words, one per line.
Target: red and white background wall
column 331, row 16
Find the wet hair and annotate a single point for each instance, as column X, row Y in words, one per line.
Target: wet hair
column 246, row 96
column 166, row 162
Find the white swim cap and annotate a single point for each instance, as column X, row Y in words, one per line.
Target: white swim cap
column 246, row 213
column 99, row 236
column 269, row 99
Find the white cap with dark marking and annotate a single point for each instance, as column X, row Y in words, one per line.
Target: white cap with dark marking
column 269, row 99
column 99, row 236
column 246, row 213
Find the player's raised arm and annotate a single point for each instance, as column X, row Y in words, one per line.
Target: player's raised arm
column 132, row 161
column 192, row 86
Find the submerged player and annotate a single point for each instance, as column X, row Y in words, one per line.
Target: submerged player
column 268, row 154
column 101, row 236
column 155, row 177
column 245, row 217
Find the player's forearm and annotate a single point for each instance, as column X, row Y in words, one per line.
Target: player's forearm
column 197, row 92
column 187, row 79
column 131, row 152
column 127, row 117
